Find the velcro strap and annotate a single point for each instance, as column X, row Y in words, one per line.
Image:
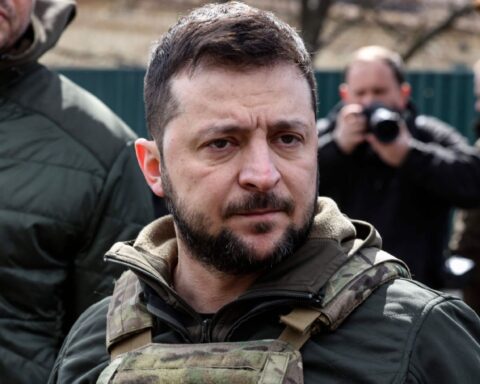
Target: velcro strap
column 131, row 343
column 300, row 319
column 298, row 326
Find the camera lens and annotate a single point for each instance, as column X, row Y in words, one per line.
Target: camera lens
column 384, row 123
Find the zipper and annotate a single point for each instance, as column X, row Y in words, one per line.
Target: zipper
column 276, row 298
column 206, row 331
column 301, row 296
column 286, row 298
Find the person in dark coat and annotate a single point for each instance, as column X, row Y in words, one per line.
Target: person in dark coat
column 69, row 189
column 405, row 184
column 465, row 240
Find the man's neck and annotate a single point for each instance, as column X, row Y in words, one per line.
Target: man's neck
column 204, row 289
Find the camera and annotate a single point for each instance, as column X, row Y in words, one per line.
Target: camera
column 383, row 122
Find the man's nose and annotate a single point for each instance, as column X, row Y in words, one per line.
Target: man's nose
column 258, row 171
column 368, row 99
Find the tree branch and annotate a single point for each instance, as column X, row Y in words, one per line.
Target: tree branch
column 441, row 27
column 338, row 30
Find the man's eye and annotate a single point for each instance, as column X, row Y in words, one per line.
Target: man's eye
column 219, row 144
column 289, row 139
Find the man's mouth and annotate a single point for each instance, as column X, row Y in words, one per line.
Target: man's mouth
column 259, row 205
column 264, row 215
column 259, row 212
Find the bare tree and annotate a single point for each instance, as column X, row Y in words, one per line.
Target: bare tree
column 314, row 15
column 444, row 25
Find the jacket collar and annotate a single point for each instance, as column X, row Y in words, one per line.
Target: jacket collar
column 333, row 237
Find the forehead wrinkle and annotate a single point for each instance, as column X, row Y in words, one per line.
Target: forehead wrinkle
column 224, row 129
column 294, row 123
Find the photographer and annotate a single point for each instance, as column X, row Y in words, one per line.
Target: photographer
column 406, row 186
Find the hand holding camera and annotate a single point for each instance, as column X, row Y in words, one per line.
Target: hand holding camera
column 380, row 126
column 350, row 128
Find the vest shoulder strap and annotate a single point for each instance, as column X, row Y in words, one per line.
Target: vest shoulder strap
column 366, row 270
column 128, row 322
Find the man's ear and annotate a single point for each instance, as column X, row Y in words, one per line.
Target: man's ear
column 343, row 91
column 148, row 158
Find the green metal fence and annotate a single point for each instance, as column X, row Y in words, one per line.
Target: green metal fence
column 121, row 90
column 446, row 95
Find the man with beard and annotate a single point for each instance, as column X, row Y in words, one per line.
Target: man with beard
column 252, row 279
column 69, row 189
column 465, row 239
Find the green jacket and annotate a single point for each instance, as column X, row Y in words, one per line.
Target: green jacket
column 403, row 333
column 70, row 188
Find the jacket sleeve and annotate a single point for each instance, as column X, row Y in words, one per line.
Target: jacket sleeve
column 465, row 238
column 442, row 162
column 333, row 164
column 329, row 154
column 83, row 355
column 447, row 345
column 123, row 207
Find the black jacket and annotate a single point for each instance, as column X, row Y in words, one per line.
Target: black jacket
column 69, row 188
column 409, row 205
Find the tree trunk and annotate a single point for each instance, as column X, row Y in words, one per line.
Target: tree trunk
column 313, row 16
column 441, row 27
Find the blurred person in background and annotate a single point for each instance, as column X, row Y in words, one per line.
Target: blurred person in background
column 465, row 239
column 403, row 177
column 70, row 188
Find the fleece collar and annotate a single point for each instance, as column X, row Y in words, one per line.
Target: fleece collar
column 332, row 239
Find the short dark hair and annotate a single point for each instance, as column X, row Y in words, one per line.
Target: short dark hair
column 232, row 34
column 379, row 53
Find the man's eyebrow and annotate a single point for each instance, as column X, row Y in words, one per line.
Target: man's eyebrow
column 296, row 124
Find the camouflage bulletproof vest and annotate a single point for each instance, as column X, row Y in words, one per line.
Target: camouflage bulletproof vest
column 136, row 359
